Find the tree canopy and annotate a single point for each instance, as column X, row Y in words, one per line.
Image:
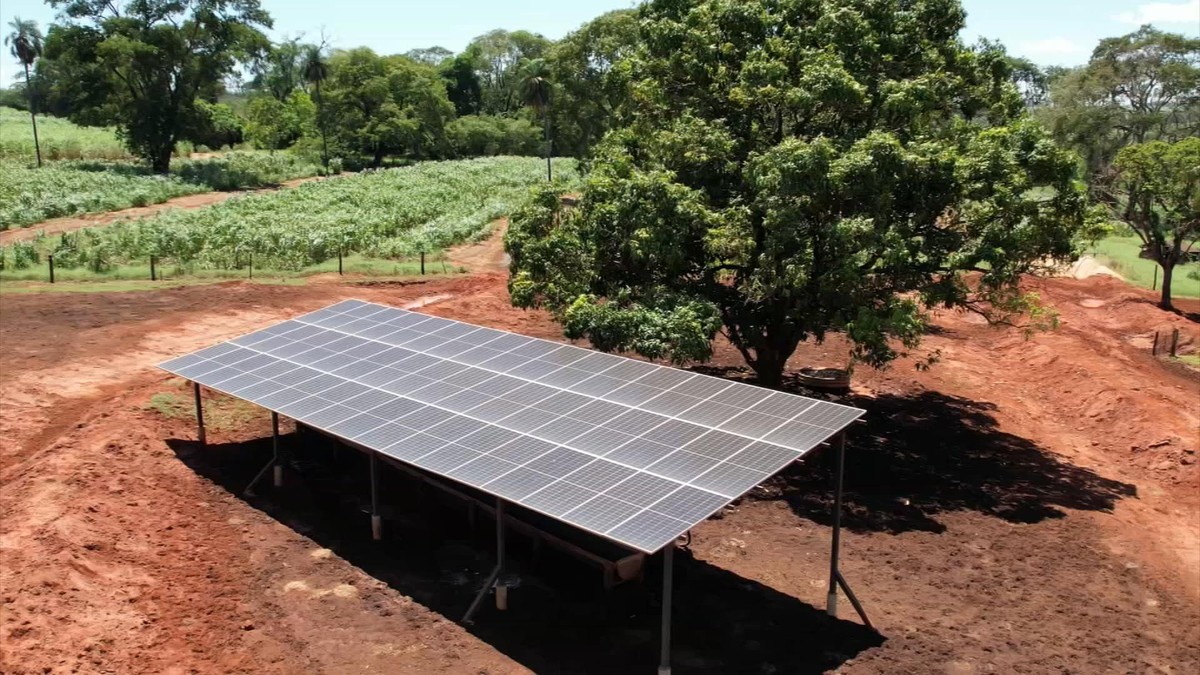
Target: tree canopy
column 590, row 82
column 280, row 70
column 143, row 66
column 792, row 168
column 1135, row 88
column 383, row 105
column 1159, row 183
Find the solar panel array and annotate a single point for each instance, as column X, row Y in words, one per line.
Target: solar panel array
column 632, row 451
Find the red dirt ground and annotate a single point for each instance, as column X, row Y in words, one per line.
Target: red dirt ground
column 1026, row 505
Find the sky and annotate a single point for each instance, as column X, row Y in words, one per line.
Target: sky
column 1059, row 32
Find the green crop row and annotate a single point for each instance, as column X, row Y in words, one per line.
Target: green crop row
column 392, row 214
column 30, row 195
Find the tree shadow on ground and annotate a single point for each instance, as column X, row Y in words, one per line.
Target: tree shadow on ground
column 560, row 619
column 916, row 456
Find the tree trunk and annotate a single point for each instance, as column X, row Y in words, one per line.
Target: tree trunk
column 321, row 126
column 161, row 162
column 768, row 366
column 378, row 159
column 1165, row 301
column 37, row 146
column 546, row 125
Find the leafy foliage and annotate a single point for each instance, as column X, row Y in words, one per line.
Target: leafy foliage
column 590, row 79
column 792, row 168
column 272, row 124
column 1160, row 185
column 279, row 70
column 485, row 135
column 383, row 105
column 498, row 58
column 1137, row 87
column 142, row 69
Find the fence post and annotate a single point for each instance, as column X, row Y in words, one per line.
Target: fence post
column 1154, row 347
column 152, row 275
column 251, row 264
column 339, row 262
column 422, row 263
column 1154, row 286
column 1174, row 340
column 51, row 257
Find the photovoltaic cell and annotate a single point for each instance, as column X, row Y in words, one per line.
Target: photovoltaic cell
column 689, row 504
column 518, row 484
column 557, row 497
column 601, row 513
column 629, row 450
column 649, row 530
column 729, row 480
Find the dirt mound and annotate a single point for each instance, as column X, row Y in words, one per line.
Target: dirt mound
column 1087, row 267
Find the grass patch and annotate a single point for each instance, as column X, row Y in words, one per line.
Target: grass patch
column 221, row 412
column 1121, row 254
column 35, row 279
column 1192, row 360
column 60, row 138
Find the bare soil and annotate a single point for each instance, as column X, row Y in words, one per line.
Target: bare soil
column 72, row 223
column 487, row 255
column 1026, row 505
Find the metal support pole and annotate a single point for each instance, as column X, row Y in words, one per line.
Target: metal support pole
column 275, row 449
column 664, row 661
column 376, row 521
column 835, row 575
column 495, row 575
column 839, row 471
column 273, row 464
column 501, row 589
column 199, row 412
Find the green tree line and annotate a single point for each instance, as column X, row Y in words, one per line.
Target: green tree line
column 160, row 71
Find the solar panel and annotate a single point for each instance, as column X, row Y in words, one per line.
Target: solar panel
column 631, row 451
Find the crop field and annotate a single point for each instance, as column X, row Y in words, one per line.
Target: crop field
column 393, row 214
column 30, row 195
column 60, row 139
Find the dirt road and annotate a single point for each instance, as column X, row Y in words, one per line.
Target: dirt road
column 1024, row 506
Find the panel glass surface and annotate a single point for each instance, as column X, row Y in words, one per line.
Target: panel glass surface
column 632, row 451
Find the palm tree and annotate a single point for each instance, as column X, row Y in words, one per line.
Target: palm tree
column 25, row 43
column 316, row 69
column 535, row 90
